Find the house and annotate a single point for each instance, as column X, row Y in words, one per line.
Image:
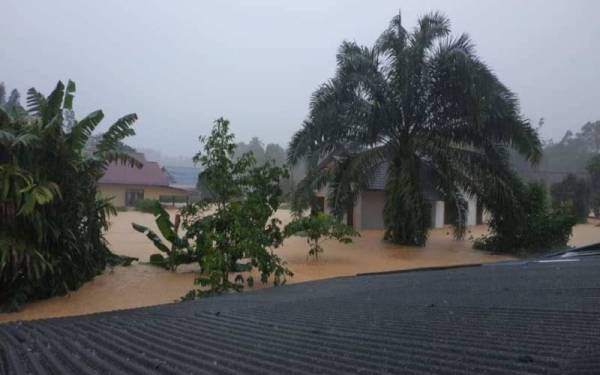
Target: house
column 128, row 184
column 367, row 212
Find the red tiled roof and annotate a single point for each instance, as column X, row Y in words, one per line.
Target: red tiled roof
column 150, row 174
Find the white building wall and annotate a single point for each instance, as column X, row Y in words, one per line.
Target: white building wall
column 437, row 214
column 471, row 211
column 368, row 211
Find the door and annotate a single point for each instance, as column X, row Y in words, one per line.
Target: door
column 450, row 213
column 133, row 196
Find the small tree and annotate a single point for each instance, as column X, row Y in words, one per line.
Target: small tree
column 179, row 252
column 235, row 231
column 572, row 193
column 319, row 227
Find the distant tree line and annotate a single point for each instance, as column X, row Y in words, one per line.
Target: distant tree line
column 571, row 169
column 569, row 155
column 273, row 153
column 92, row 145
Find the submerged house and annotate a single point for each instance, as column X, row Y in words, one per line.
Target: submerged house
column 367, row 212
column 128, row 184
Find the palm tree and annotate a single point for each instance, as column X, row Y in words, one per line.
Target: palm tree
column 416, row 102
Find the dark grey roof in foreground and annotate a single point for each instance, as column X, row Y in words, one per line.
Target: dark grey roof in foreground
column 522, row 317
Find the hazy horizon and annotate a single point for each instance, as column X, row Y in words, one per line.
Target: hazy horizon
column 181, row 65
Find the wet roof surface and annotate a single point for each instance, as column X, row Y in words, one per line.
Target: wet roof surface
column 521, row 317
column 150, row 174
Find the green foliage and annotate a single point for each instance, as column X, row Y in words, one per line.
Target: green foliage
column 235, row 231
column 572, row 194
column 418, row 103
column 528, row 225
column 159, row 260
column 11, row 106
column 593, row 169
column 146, row 205
column 51, row 220
column 273, row 153
column 319, row 227
column 169, row 199
column 179, row 252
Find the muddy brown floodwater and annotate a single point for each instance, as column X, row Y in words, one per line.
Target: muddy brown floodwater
column 143, row 285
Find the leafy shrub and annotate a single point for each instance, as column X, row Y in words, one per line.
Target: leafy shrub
column 318, row 227
column 146, row 205
column 528, row 226
column 159, row 260
column 51, row 220
column 573, row 195
column 179, row 252
column 233, row 228
column 170, row 199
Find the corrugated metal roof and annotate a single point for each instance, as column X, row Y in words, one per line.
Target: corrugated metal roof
column 150, row 174
column 521, row 318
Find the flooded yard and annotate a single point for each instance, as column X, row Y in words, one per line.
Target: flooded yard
column 143, row 285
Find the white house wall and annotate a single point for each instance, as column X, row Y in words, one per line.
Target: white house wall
column 368, row 211
column 471, row 211
column 372, row 203
column 437, row 214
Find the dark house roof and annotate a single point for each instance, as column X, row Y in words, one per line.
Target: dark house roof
column 380, row 178
column 521, row 318
column 151, row 174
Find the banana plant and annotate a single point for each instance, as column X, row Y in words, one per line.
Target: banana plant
column 179, row 252
column 52, row 221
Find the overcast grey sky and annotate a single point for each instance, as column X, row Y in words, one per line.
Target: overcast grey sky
column 181, row 64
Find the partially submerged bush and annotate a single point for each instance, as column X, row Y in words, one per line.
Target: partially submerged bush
column 146, row 205
column 318, row 227
column 529, row 226
column 573, row 195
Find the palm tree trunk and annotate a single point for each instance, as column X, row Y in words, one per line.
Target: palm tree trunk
column 406, row 215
